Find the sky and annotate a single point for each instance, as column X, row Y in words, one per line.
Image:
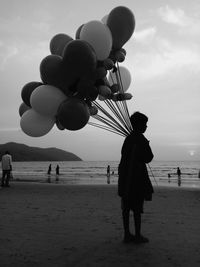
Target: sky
column 163, row 57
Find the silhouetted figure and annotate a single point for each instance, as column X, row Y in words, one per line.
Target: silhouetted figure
column 199, row 174
column 108, row 174
column 57, row 172
column 134, row 185
column 179, row 176
column 49, row 174
column 6, row 163
column 169, row 176
column 49, row 169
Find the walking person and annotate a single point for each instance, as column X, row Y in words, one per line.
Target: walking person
column 179, row 176
column 57, row 172
column 6, row 163
column 134, row 185
column 108, row 174
column 49, row 174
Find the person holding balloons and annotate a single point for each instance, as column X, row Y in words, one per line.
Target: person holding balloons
column 134, row 185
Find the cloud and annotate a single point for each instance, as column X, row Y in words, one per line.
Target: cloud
column 6, row 54
column 187, row 24
column 145, row 35
column 162, row 56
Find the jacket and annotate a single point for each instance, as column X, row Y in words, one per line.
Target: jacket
column 133, row 175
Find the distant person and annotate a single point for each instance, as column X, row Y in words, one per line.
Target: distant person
column 199, row 174
column 6, row 163
column 169, row 177
column 108, row 174
column 57, row 172
column 49, row 174
column 178, row 172
column 49, row 169
column 134, row 185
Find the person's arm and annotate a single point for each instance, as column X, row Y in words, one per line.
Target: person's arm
column 143, row 150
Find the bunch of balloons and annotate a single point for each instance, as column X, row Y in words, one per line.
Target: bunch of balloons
column 77, row 73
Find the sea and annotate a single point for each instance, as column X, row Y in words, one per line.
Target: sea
column 95, row 172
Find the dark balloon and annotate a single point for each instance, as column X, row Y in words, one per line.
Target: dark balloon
column 59, row 125
column 23, row 108
column 79, row 60
column 73, row 114
column 121, row 22
column 58, row 43
column 108, row 63
column 87, row 91
column 50, row 70
column 27, row 91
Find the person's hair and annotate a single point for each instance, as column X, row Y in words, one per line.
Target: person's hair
column 7, row 152
column 138, row 118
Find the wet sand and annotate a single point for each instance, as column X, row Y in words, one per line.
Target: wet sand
column 80, row 225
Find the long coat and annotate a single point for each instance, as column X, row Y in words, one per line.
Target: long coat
column 134, row 182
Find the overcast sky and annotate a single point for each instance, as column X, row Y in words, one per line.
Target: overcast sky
column 163, row 57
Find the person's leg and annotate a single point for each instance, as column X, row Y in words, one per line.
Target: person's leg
column 7, row 178
column 3, row 178
column 138, row 237
column 128, row 237
column 137, row 221
column 125, row 216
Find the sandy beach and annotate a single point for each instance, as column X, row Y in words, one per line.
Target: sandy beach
column 80, row 225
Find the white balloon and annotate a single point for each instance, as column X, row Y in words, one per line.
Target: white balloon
column 99, row 36
column 122, row 73
column 34, row 124
column 46, row 99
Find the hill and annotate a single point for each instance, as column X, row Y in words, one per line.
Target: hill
column 21, row 152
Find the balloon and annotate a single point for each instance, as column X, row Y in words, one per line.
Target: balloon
column 79, row 60
column 59, row 125
column 77, row 36
column 125, row 78
column 104, row 19
column 93, row 110
column 105, row 91
column 50, row 70
column 121, row 23
column 27, row 91
column 87, row 90
column 34, row 124
column 119, row 56
column 115, row 88
column 108, row 64
column 121, row 97
column 23, row 108
column 46, row 99
column 99, row 37
column 58, row 43
column 100, row 73
column 73, row 114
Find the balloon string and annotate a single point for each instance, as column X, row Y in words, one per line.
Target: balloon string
column 105, row 128
column 119, row 120
column 124, row 103
column 109, row 123
column 115, row 111
column 109, row 116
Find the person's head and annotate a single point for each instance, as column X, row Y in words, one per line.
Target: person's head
column 7, row 152
column 139, row 122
